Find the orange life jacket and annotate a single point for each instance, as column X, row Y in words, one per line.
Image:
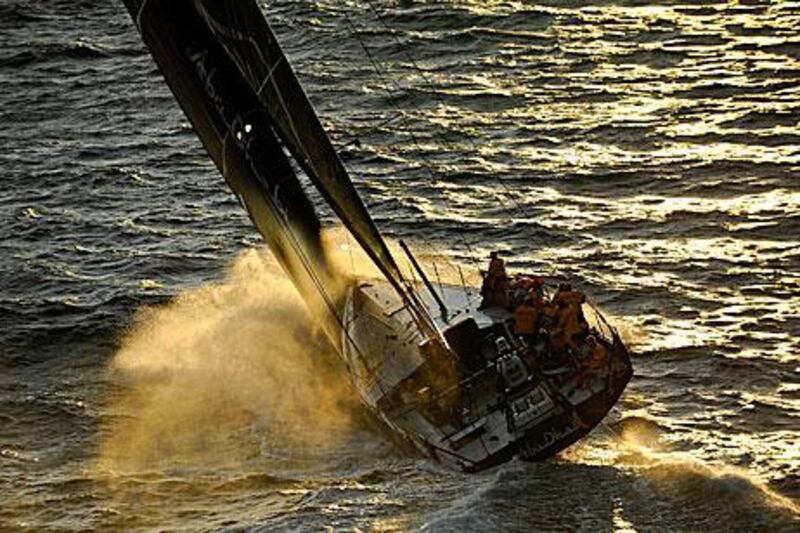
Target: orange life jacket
column 571, row 318
column 570, row 298
column 525, row 318
column 567, row 317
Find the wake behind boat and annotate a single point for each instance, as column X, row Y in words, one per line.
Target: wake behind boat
column 471, row 377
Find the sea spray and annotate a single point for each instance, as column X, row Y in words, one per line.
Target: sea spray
column 224, row 372
column 702, row 489
column 230, row 369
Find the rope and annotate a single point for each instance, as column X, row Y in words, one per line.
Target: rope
column 418, row 310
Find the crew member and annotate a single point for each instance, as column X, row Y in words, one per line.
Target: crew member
column 526, row 320
column 596, row 358
column 537, row 287
column 519, row 287
column 497, row 267
column 495, row 283
column 568, row 319
column 598, row 354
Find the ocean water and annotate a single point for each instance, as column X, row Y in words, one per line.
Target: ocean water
column 158, row 371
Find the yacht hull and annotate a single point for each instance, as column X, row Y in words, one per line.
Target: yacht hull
column 475, row 408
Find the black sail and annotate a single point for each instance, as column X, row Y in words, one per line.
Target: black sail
column 248, row 39
column 239, row 135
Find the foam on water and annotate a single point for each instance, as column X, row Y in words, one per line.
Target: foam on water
column 719, row 495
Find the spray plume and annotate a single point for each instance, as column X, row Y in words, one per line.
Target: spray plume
column 194, row 377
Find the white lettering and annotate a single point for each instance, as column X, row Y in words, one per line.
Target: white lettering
column 549, row 438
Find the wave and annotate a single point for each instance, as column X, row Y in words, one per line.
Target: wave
column 757, row 120
column 718, row 497
column 55, row 52
column 681, row 484
column 256, row 481
column 15, row 15
column 642, row 488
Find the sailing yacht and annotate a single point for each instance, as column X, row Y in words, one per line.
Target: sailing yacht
column 445, row 374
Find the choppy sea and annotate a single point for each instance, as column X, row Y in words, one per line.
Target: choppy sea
column 157, row 371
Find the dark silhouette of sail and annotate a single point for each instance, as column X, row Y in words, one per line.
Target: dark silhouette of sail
column 238, row 133
column 242, row 30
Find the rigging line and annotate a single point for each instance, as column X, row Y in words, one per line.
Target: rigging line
column 307, row 265
column 349, row 245
column 463, row 284
column 309, row 161
column 372, row 129
column 381, row 72
column 426, row 161
column 269, row 75
column 436, row 95
column 438, row 279
column 140, row 13
column 292, row 125
column 420, row 310
column 415, row 65
column 227, row 31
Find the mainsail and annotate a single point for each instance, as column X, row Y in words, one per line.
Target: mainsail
column 239, row 135
column 225, row 67
column 242, row 30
